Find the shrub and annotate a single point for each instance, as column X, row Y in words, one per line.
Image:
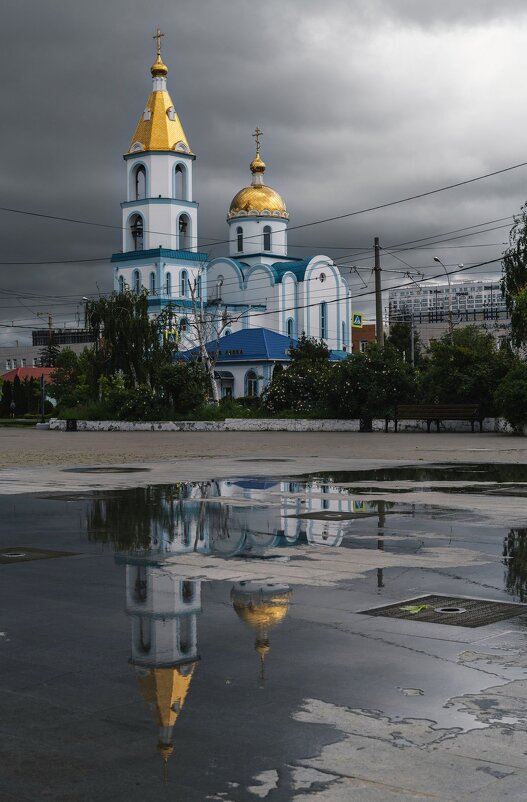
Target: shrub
column 511, row 397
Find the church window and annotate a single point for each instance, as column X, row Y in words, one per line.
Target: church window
column 168, row 285
column 152, row 283
column 185, row 641
column 136, row 281
column 183, row 283
column 290, row 327
column 140, row 585
column 180, row 182
column 140, row 182
column 267, row 238
column 145, row 635
column 198, row 287
column 187, row 591
column 226, row 332
column 239, row 238
column 121, row 284
column 251, row 383
column 183, row 324
column 323, row 320
column 137, row 232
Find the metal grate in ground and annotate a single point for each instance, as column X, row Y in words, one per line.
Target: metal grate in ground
column 452, row 610
column 21, row 554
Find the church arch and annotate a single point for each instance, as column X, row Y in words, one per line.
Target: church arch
column 136, row 233
column 185, row 634
column 139, row 182
column 181, row 182
column 184, row 233
column 290, row 328
column 187, row 591
column 267, row 238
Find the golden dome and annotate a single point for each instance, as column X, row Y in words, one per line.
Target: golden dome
column 164, row 690
column 259, row 199
column 159, row 127
column 158, row 67
column 261, row 606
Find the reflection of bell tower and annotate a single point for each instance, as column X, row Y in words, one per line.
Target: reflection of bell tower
column 164, row 610
column 261, row 606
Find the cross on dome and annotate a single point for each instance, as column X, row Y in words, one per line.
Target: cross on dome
column 257, row 134
column 157, row 36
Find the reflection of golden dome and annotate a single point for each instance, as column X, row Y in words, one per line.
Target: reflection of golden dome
column 158, row 67
column 261, row 606
column 260, row 199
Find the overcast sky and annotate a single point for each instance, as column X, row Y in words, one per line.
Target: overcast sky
column 361, row 102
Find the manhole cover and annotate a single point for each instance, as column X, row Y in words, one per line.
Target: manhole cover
column 20, row 555
column 451, row 610
column 106, row 469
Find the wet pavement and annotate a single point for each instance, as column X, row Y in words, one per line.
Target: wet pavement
column 208, row 640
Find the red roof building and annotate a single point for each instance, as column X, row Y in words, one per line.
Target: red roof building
column 28, row 373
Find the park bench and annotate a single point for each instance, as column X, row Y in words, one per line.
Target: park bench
column 438, row 412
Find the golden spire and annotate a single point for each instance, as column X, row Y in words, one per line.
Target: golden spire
column 257, row 164
column 158, row 68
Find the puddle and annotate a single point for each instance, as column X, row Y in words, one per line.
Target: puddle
column 208, row 637
column 106, row 469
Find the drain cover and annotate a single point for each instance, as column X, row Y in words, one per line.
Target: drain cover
column 22, row 554
column 451, row 610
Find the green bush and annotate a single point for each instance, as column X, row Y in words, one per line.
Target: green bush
column 511, row 397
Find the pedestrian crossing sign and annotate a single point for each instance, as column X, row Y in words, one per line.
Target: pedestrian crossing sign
column 357, row 320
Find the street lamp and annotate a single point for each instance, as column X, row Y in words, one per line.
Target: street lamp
column 437, row 259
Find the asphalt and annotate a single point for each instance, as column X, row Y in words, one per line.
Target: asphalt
column 347, row 706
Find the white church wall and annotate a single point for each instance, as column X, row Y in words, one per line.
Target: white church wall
column 253, row 236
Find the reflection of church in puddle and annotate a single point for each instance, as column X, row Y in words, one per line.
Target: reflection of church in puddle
column 164, row 609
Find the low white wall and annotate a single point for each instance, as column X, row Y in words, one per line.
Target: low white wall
column 273, row 424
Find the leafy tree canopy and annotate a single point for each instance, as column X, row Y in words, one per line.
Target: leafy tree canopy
column 514, row 280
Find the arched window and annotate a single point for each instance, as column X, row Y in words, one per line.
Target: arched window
column 344, row 343
column 121, row 284
column 183, row 283
column 239, row 238
column 180, row 182
column 323, row 320
column 187, row 591
column 183, row 324
column 168, row 285
column 267, row 238
column 184, row 232
column 136, row 281
column 140, row 182
column 251, row 383
column 198, row 287
column 290, row 328
column 152, row 283
column 185, row 634
column 226, row 332
column 136, row 231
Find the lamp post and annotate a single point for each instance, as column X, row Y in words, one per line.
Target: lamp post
column 437, row 259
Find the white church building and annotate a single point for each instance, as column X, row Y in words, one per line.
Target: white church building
column 257, row 285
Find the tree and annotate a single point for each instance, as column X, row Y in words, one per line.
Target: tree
column 464, row 368
column 401, row 339
column 127, row 340
column 372, row 383
column 511, row 397
column 514, row 280
column 65, row 379
column 49, row 354
column 305, row 386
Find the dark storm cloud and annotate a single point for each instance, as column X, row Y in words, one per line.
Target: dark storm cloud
column 360, row 103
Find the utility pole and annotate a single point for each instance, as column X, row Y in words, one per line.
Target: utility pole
column 379, row 330
column 412, row 342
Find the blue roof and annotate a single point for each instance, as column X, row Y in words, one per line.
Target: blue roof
column 298, row 268
column 253, row 345
column 248, row 344
column 160, row 253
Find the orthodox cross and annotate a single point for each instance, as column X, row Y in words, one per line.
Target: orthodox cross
column 257, row 134
column 157, row 37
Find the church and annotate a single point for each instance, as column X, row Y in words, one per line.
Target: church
column 257, row 286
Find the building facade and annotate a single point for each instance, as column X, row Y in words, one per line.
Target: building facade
column 257, row 284
column 466, row 303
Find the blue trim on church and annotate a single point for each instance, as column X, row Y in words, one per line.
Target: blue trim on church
column 159, row 253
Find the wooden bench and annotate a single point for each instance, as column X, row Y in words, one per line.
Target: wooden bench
column 438, row 412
